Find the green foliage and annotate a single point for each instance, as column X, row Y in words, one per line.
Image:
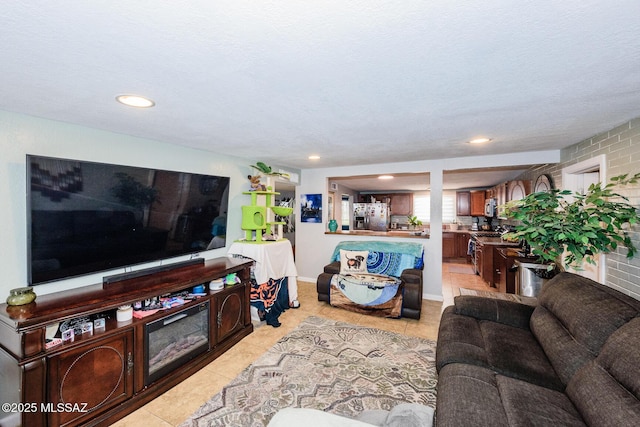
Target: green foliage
column 583, row 224
column 413, row 220
column 267, row 170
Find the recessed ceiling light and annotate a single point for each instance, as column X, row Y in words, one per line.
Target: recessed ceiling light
column 135, row 101
column 479, row 140
column 385, row 177
column 314, row 157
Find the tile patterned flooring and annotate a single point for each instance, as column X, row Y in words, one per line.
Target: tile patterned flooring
column 174, row 406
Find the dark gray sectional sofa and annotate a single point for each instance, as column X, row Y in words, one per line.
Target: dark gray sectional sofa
column 572, row 360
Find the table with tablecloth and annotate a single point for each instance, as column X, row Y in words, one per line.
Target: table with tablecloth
column 274, row 277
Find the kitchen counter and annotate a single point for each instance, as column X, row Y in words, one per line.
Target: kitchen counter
column 391, row 233
column 495, row 241
column 516, row 254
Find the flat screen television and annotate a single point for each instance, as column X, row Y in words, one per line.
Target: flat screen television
column 87, row 217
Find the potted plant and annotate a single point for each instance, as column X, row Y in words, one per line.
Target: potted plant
column 583, row 225
column 414, row 222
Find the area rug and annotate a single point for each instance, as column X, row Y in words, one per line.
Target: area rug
column 499, row 295
column 328, row 365
column 461, row 269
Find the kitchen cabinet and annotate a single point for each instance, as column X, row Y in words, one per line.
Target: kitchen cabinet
column 505, row 276
column 399, row 203
column 463, row 203
column 500, row 194
column 455, row 245
column 470, row 203
column 402, row 204
column 462, row 245
column 488, row 262
column 479, row 251
column 477, row 203
column 517, row 190
column 448, row 245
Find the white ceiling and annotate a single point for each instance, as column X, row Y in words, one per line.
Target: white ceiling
column 355, row 82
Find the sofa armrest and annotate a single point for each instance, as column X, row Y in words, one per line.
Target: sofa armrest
column 411, row 275
column 333, row 268
column 506, row 312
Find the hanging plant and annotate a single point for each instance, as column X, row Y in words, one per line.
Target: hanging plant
column 582, row 224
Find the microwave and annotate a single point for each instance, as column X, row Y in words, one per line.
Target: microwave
column 490, row 208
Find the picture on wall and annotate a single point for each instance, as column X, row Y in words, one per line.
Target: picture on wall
column 311, row 208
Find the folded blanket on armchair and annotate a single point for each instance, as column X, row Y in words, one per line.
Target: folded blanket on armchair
column 367, row 293
column 388, row 258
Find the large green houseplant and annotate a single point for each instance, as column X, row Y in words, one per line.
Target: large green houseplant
column 583, row 225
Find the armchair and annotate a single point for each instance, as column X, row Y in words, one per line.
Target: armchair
column 396, row 259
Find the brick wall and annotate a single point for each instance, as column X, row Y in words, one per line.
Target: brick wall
column 621, row 146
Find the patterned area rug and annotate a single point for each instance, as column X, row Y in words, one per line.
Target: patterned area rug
column 333, row 366
column 499, row 295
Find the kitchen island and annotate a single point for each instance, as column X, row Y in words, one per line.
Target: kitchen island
column 486, row 255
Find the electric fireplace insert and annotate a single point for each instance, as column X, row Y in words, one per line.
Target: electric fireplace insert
column 172, row 341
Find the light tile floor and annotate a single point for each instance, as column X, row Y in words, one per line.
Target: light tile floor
column 174, row 406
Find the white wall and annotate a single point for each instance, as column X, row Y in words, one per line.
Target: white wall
column 21, row 135
column 314, row 247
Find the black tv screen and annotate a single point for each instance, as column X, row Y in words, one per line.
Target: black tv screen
column 87, row 217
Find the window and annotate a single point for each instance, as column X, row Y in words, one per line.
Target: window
column 345, row 212
column 422, row 207
column 448, row 207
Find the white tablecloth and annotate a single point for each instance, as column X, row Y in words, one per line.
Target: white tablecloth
column 273, row 260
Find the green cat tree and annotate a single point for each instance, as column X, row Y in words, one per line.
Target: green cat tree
column 258, row 219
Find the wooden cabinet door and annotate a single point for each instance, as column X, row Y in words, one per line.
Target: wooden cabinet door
column 487, row 265
column 401, row 204
column 479, row 259
column 463, row 203
column 501, row 199
column 477, row 203
column 448, row 245
column 462, row 245
column 229, row 312
column 89, row 379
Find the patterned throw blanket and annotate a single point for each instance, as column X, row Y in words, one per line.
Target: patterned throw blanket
column 389, row 258
column 374, row 294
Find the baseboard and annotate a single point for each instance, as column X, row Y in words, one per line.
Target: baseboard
column 431, row 297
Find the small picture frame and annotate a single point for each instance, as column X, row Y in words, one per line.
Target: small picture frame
column 311, row 208
column 68, row 336
column 87, row 328
column 98, row 325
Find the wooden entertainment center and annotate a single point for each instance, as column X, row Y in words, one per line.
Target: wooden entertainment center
column 101, row 376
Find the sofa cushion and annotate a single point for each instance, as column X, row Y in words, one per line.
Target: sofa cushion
column 459, row 340
column 468, row 395
column 527, row 404
column 514, row 352
column 497, row 310
column 607, row 390
column 574, row 317
column 509, row 350
column 471, row 395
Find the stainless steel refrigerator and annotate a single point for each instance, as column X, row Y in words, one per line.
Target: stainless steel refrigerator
column 371, row 216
